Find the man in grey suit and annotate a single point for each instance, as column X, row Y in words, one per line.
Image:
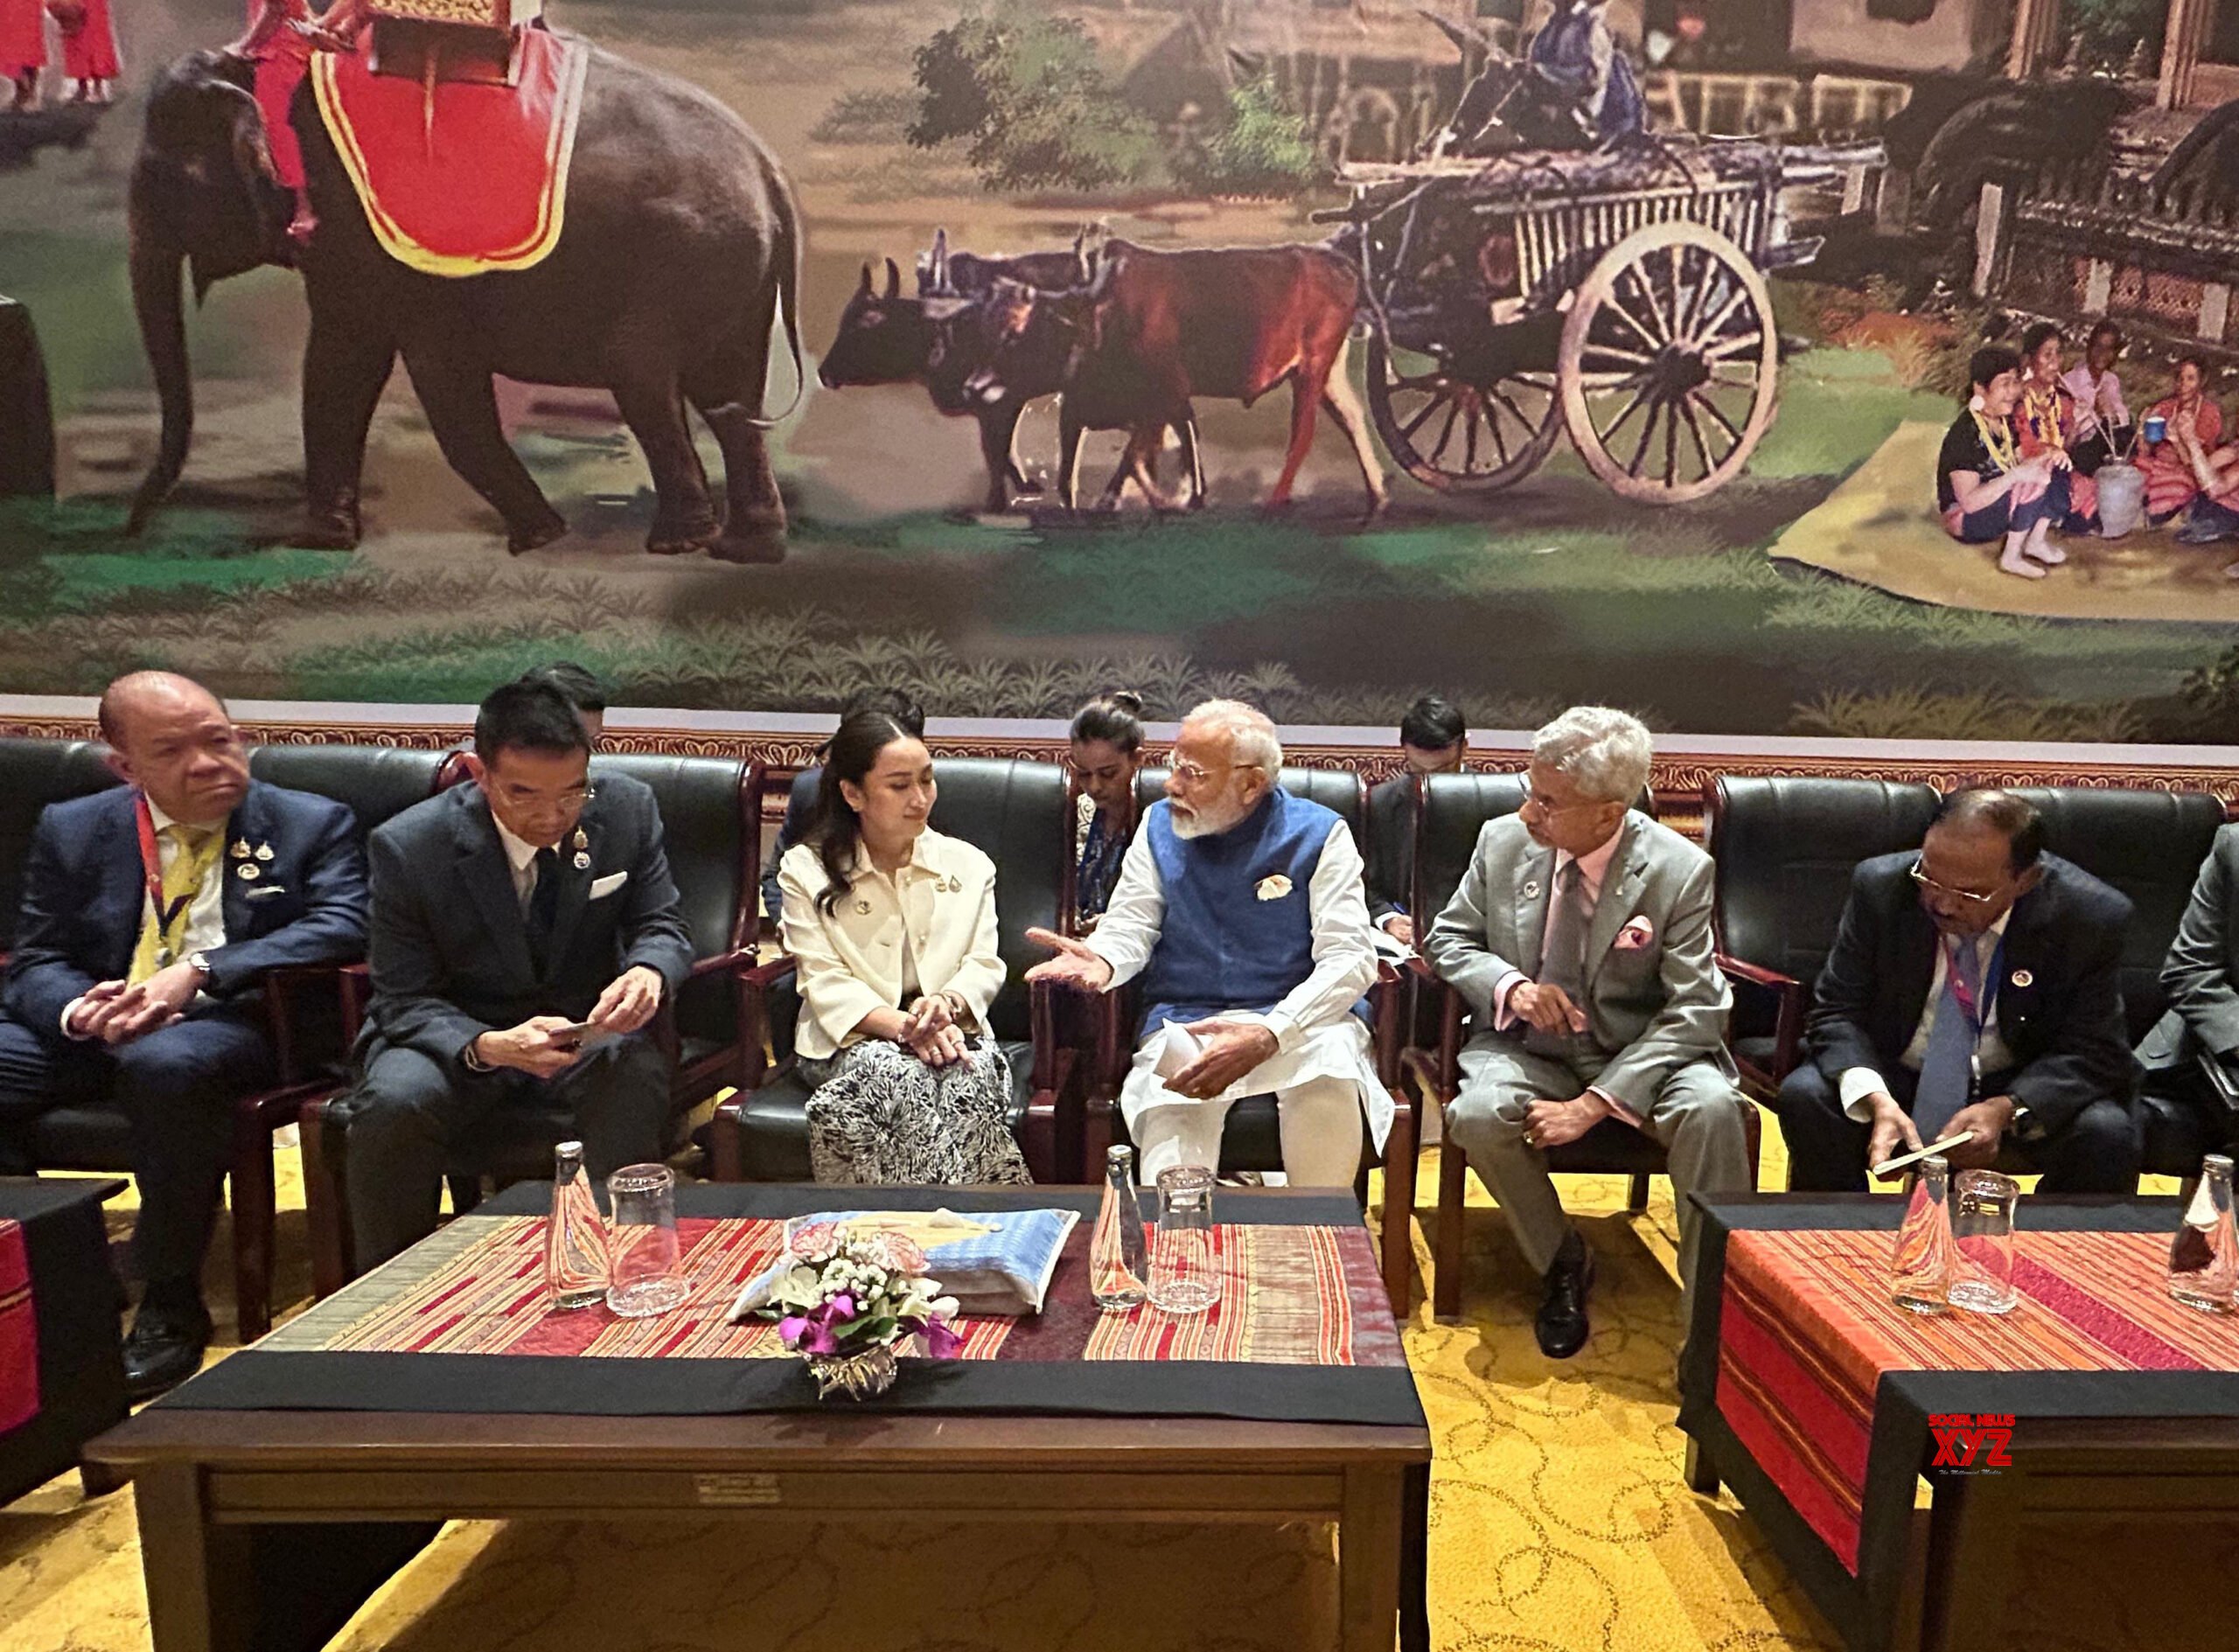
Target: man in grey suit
column 1581, row 937
column 505, row 914
column 2192, row 1055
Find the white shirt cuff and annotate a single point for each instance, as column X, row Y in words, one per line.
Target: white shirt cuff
column 68, row 1010
column 1859, row 1082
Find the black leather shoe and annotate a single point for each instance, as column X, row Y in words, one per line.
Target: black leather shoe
column 1561, row 1327
column 164, row 1347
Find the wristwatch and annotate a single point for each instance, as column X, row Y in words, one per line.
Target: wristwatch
column 200, row 963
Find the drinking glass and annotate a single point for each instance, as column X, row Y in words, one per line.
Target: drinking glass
column 646, row 1269
column 1185, row 1274
column 1982, row 1224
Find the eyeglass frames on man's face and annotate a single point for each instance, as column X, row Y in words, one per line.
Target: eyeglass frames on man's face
column 567, row 802
column 1537, row 800
column 1920, row 876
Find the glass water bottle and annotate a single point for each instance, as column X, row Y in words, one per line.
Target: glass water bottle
column 575, row 1238
column 1116, row 1251
column 2204, row 1261
column 1920, row 1268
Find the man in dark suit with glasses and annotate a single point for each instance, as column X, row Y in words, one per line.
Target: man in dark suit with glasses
column 506, row 914
column 1974, row 986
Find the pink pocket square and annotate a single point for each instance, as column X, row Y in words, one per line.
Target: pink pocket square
column 1637, row 934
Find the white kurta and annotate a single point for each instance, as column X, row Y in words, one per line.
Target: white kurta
column 1317, row 1036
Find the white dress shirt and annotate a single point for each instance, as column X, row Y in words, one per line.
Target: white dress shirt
column 1859, row 1082
column 521, row 857
column 206, row 914
column 1316, row 1034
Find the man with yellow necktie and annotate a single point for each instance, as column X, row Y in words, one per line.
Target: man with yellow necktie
column 151, row 913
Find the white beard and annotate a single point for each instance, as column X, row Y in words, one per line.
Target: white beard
column 1209, row 822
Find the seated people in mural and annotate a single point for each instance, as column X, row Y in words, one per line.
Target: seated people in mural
column 1581, row 937
column 1240, row 908
column 2189, row 424
column 800, row 801
column 2103, row 429
column 893, row 927
column 272, row 24
column 1985, row 491
column 506, row 915
column 23, row 51
column 1107, row 749
column 1587, row 92
column 1974, row 985
column 151, row 914
column 2201, row 978
column 2044, row 422
column 1433, row 738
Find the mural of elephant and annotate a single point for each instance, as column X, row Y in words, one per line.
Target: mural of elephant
column 682, row 248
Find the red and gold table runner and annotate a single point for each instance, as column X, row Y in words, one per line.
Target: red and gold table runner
column 1291, row 1295
column 18, row 1331
column 1807, row 1329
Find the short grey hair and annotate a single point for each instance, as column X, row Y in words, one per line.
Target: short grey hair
column 1252, row 732
column 1606, row 752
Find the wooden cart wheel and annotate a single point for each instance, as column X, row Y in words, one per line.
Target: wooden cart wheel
column 1670, row 364
column 1453, row 435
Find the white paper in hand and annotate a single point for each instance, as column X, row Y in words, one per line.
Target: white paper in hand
column 1178, row 1048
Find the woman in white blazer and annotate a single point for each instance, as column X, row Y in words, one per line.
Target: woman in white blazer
column 893, row 928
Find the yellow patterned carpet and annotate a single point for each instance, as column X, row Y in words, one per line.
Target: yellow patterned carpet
column 1559, row 1523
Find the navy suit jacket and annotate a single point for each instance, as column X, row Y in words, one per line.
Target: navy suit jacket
column 449, row 949
column 85, row 896
column 2059, row 1005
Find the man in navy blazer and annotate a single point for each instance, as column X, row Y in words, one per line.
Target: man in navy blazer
column 2029, row 1050
column 505, row 914
column 162, row 1012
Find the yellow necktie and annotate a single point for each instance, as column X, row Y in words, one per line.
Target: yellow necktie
column 163, row 944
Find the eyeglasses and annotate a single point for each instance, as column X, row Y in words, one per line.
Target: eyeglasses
column 1968, row 895
column 570, row 800
column 1533, row 799
column 1190, row 775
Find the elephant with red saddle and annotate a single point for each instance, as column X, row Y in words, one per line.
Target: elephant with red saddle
column 680, row 251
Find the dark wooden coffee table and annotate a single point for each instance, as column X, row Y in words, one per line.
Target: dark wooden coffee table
column 267, row 1530
column 265, row 1521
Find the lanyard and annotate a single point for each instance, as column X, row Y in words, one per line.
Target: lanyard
column 152, row 870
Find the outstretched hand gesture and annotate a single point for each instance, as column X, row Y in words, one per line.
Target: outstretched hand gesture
column 1074, row 966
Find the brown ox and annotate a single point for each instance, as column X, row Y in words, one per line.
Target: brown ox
column 1154, row 330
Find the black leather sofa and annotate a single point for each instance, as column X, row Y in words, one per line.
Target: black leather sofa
column 1784, row 849
column 1017, row 813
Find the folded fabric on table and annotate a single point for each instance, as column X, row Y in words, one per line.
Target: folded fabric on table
column 995, row 1262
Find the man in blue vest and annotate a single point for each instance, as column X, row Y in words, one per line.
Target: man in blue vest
column 1242, row 909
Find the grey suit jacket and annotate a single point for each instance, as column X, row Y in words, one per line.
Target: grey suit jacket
column 449, row 945
column 2201, row 973
column 1652, row 1009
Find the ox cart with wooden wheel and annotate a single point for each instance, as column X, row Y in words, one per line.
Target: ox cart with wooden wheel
column 1617, row 294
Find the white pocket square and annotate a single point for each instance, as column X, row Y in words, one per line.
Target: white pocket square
column 263, row 892
column 601, row 888
column 1637, row 934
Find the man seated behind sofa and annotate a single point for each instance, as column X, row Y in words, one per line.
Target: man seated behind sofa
column 505, row 913
column 151, row 914
column 1974, row 985
column 1241, row 908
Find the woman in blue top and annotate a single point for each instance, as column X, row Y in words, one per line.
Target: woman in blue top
column 1107, row 750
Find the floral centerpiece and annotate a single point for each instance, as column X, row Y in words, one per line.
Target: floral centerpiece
column 849, row 1302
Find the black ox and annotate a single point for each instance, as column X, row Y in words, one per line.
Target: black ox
column 946, row 335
